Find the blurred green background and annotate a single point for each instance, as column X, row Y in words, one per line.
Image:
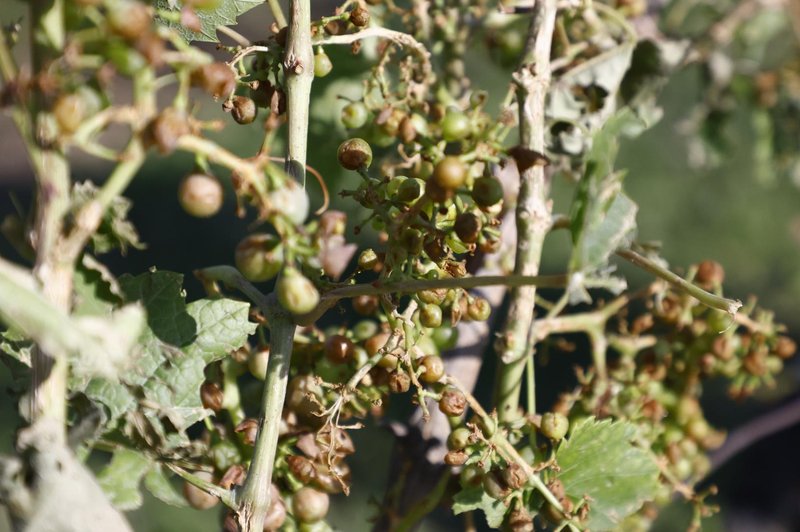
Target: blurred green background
column 725, row 215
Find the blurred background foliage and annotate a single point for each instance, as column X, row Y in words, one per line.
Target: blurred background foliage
column 716, row 201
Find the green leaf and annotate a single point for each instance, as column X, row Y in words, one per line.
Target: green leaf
column 223, row 15
column 113, row 395
column 120, row 478
column 158, row 483
column 475, row 498
column 168, row 322
column 600, row 461
column 96, row 291
column 115, row 231
column 222, row 327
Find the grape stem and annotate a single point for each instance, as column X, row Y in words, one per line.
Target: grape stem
column 533, row 212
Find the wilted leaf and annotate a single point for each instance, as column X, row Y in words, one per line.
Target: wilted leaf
column 603, row 218
column 115, row 230
column 120, row 478
column 600, row 461
column 475, row 498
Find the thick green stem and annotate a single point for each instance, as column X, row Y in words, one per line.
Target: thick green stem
column 277, row 12
column 727, row 305
column 253, row 501
column 298, row 64
column 533, row 210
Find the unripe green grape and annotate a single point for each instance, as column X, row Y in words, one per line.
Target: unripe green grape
column 434, row 369
column 411, row 239
column 322, row 64
column 364, row 329
column 458, row 438
column 410, row 190
column 487, row 191
column 494, row 487
column 70, row 112
column 224, row 455
column 200, row 195
column 257, row 362
column 455, row 126
column 430, row 315
column 470, row 476
column 354, row 115
column 479, row 309
column 296, row 293
column 445, row 337
column 259, row 257
column 554, row 425
column 126, row 60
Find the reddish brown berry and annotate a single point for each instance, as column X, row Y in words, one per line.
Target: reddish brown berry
column 354, row 154
column 217, row 79
column 710, row 273
column 166, row 129
column 785, row 347
column 399, row 382
column 339, row 349
column 468, row 227
column 243, row 109
column 452, row 402
column 310, row 505
column 196, row 497
column 456, row 458
column 359, row 17
column 211, row 396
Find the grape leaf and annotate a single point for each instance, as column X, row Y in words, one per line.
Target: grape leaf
column 599, row 461
column 168, row 323
column 113, row 395
column 120, row 478
column 96, row 290
column 158, row 483
column 475, row 498
column 222, row 326
column 225, row 14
